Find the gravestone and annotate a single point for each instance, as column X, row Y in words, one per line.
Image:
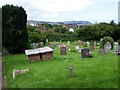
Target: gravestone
column 95, row 44
column 74, row 45
column 101, row 51
column 46, row 40
column 77, row 48
column 83, row 52
column 88, row 43
column 80, row 49
column 33, row 45
column 92, row 45
column 63, row 51
column 70, row 71
column 116, row 48
column 107, row 47
column 68, row 43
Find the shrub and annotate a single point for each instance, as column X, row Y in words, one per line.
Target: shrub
column 107, row 39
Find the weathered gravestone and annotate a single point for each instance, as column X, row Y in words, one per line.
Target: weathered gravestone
column 92, row 45
column 83, row 52
column 107, row 47
column 68, row 43
column 33, row 45
column 63, row 49
column 70, row 71
column 52, row 45
column 116, row 48
column 77, row 48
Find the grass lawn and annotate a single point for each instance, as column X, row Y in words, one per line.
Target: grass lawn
column 101, row 71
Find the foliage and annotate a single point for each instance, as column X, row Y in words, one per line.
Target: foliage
column 116, row 33
column 14, row 32
column 35, row 36
column 107, row 39
column 95, row 32
column 84, row 33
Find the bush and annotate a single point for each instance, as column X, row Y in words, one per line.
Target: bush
column 107, row 39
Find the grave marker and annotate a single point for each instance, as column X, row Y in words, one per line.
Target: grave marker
column 63, row 49
column 70, row 70
column 107, row 47
column 92, row 45
column 83, row 52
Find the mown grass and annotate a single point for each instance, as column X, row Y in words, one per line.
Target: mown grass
column 101, row 71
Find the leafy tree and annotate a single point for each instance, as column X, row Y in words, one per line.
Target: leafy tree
column 116, row 33
column 35, row 36
column 14, row 32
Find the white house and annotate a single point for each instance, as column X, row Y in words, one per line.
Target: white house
column 71, row 30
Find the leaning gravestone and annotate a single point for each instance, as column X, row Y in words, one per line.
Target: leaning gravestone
column 107, row 47
column 83, row 52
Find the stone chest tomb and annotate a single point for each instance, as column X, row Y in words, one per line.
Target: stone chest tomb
column 44, row 53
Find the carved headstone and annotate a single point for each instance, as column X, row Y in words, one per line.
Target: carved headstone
column 107, row 47
column 83, row 52
column 63, row 49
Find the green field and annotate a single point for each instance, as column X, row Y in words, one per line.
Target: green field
column 101, row 71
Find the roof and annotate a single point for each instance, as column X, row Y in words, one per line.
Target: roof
column 38, row 50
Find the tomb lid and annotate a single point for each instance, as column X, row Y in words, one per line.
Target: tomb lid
column 38, row 50
column 45, row 49
column 31, row 51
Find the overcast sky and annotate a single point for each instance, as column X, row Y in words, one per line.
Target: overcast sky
column 66, row 10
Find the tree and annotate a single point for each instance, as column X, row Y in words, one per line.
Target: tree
column 14, row 32
column 35, row 36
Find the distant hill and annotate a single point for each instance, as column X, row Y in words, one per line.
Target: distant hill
column 54, row 23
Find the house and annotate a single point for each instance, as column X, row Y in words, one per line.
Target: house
column 44, row 53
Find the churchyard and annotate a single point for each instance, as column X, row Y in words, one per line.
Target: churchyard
column 64, row 70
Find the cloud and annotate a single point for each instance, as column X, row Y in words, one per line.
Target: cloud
column 57, row 10
column 61, row 5
column 50, row 15
column 52, row 5
column 48, row 9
